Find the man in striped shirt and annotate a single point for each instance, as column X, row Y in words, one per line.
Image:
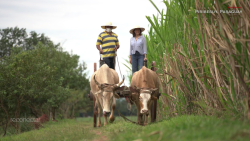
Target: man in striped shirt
column 109, row 42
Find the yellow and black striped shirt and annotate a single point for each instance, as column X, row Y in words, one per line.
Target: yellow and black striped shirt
column 108, row 43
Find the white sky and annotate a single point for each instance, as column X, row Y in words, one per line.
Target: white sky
column 76, row 24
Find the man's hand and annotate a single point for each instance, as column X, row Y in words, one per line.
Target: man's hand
column 130, row 61
column 145, row 57
column 99, row 48
column 101, row 52
column 117, row 47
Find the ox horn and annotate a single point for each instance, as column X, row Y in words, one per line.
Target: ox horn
column 97, row 82
column 154, row 89
column 98, row 92
column 154, row 97
column 116, row 95
column 119, row 84
column 136, row 88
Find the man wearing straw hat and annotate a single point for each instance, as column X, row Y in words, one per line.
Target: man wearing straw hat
column 110, row 44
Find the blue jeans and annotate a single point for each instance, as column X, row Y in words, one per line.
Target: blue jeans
column 137, row 61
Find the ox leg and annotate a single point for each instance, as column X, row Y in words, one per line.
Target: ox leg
column 146, row 119
column 139, row 115
column 105, row 120
column 105, row 116
column 141, row 119
column 112, row 116
column 99, row 115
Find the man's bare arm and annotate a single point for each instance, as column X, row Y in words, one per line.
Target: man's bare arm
column 99, row 48
column 116, row 47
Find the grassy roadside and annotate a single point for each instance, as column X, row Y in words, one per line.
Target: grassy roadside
column 63, row 130
column 80, row 129
column 183, row 128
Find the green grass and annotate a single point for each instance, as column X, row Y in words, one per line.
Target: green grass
column 64, row 130
column 183, row 128
column 57, row 131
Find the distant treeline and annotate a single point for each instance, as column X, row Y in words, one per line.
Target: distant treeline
column 37, row 76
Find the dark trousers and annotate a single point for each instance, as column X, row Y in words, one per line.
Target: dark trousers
column 110, row 62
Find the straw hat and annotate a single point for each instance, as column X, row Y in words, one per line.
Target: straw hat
column 108, row 24
column 142, row 29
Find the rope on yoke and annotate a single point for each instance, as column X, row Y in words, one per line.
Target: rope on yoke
column 121, row 115
column 126, row 119
column 118, row 63
column 101, row 61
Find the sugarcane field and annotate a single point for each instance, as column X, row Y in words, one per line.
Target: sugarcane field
column 144, row 70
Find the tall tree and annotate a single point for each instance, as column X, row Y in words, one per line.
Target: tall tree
column 10, row 37
column 28, row 80
column 37, row 75
column 18, row 37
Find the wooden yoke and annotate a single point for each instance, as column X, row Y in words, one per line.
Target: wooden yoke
column 126, row 92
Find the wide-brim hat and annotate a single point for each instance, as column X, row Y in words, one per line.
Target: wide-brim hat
column 142, row 29
column 108, row 24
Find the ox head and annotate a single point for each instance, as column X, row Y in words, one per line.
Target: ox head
column 107, row 91
column 145, row 98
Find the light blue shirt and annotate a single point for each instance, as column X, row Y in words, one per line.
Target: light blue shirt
column 140, row 45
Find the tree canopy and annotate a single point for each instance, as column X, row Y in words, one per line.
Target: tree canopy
column 37, row 76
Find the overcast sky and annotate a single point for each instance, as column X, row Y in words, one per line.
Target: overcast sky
column 76, row 24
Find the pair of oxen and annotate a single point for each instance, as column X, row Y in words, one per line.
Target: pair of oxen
column 105, row 82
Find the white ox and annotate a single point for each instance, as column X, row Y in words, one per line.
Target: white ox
column 146, row 87
column 104, row 83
